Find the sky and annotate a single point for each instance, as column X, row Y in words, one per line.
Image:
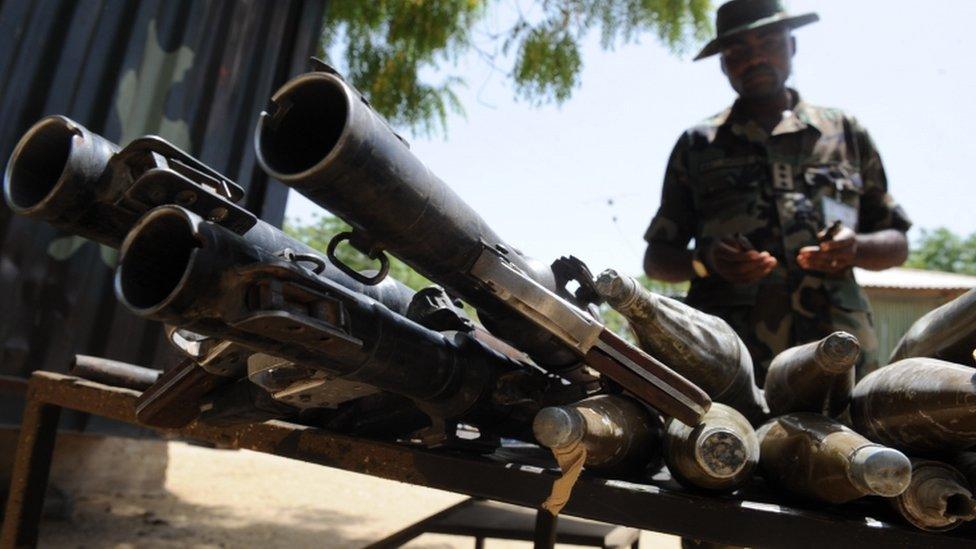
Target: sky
column 585, row 178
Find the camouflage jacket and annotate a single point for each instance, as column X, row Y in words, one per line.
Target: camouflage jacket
column 727, row 176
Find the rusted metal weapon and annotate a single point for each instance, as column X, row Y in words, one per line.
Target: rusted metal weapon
column 699, row 346
column 819, row 458
column 939, row 497
column 920, row 405
column 113, row 372
column 180, row 269
column 80, row 182
column 719, row 454
column 620, row 435
column 322, row 138
column 815, row 377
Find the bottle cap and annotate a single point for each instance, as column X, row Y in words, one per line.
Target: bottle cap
column 881, row 471
column 558, row 426
column 839, row 352
column 721, row 453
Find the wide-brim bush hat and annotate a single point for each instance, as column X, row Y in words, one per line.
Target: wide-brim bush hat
column 739, row 16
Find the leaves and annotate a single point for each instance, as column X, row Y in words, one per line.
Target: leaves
column 943, row 250
column 396, row 51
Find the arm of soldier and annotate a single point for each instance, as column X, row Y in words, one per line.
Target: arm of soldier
column 875, row 251
column 881, row 242
column 667, row 257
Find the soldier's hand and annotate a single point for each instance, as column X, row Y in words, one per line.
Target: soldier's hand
column 832, row 256
column 731, row 260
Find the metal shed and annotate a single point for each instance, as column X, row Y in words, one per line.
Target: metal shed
column 901, row 296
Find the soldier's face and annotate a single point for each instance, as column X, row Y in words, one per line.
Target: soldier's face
column 759, row 62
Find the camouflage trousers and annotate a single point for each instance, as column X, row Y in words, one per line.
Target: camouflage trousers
column 772, row 325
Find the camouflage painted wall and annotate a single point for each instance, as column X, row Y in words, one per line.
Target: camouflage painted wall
column 196, row 72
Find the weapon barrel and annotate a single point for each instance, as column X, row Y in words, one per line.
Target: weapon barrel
column 719, row 454
column 619, row 434
column 54, row 174
column 819, row 458
column 920, row 405
column 699, row 346
column 324, row 141
column 815, row 377
column 179, row 269
column 939, row 497
column 113, row 372
column 84, row 184
column 947, row 333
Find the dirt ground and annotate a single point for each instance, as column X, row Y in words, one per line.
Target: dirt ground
column 221, row 498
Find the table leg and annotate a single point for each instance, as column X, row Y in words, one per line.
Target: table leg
column 32, row 466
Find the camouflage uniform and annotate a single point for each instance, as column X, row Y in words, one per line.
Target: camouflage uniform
column 729, row 176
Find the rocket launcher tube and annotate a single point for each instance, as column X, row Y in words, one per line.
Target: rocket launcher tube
column 699, row 346
column 179, row 269
column 321, row 138
column 815, row 377
column 819, row 458
column 78, row 181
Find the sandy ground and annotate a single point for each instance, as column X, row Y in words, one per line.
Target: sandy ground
column 220, row 498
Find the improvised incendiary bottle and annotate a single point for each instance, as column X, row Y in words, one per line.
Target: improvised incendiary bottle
column 701, row 347
column 939, row 497
column 819, row 458
column 816, row 377
column 947, row 333
column 620, row 435
column 920, row 405
column 718, row 454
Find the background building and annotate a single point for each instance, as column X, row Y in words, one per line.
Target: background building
column 901, row 296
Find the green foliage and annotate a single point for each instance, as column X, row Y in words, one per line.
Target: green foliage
column 943, row 250
column 318, row 234
column 385, row 47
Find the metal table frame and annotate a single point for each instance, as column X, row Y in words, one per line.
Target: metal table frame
column 730, row 519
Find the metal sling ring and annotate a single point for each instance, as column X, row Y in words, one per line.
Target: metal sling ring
column 296, row 257
column 353, row 273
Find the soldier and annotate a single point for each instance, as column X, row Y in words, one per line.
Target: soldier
column 782, row 198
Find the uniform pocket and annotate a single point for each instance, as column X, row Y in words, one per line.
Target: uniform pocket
column 727, row 200
column 838, row 182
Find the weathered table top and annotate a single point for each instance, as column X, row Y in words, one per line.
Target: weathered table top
column 748, row 518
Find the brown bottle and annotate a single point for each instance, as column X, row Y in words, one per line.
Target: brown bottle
column 919, row 405
column 939, row 497
column 620, row 435
column 947, row 333
column 718, row 454
column 699, row 346
column 819, row 458
column 816, row 377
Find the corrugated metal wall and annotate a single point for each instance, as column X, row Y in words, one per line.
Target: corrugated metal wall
column 196, row 72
